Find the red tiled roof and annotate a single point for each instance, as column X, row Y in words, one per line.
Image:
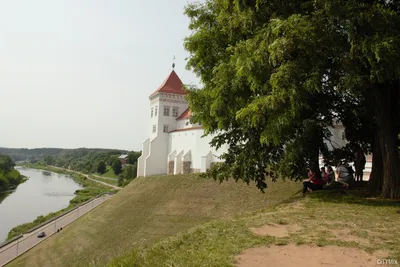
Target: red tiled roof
column 185, row 115
column 172, row 84
column 187, row 129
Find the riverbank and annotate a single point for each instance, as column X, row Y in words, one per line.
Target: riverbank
column 90, row 189
column 10, row 178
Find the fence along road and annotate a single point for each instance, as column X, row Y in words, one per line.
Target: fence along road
column 29, row 240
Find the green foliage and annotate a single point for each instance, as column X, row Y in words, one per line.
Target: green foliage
column 130, row 171
column 289, row 70
column 101, row 167
column 48, row 160
column 120, row 181
column 9, row 177
column 133, row 157
column 117, row 166
column 85, row 160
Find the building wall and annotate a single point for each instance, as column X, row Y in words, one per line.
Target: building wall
column 155, row 162
column 142, row 159
column 338, row 138
column 193, row 140
column 170, row 100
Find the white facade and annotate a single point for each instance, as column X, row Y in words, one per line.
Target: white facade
column 174, row 145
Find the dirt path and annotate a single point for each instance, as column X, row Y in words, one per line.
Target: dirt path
column 87, row 176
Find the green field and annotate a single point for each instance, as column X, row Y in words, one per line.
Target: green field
column 110, row 173
column 111, row 181
column 186, row 220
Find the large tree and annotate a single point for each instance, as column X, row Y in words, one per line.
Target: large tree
column 276, row 74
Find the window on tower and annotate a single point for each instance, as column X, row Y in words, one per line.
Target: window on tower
column 155, row 111
column 165, row 128
column 154, row 128
column 175, row 111
column 152, row 112
column 166, row 111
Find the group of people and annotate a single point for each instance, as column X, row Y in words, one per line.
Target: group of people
column 317, row 178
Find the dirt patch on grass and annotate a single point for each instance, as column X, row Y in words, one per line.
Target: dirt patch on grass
column 294, row 256
column 276, row 230
column 347, row 236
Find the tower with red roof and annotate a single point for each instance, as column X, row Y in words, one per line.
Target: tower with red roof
column 175, row 145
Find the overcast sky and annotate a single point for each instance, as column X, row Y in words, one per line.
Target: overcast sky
column 78, row 73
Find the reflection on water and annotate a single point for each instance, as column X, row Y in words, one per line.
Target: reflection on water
column 40, row 195
column 46, row 173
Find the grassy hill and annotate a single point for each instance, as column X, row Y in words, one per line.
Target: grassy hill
column 342, row 224
column 146, row 211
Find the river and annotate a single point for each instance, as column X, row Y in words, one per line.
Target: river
column 42, row 193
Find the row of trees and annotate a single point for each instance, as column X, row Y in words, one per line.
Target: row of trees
column 116, row 164
column 277, row 74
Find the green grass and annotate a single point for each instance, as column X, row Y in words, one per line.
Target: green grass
column 149, row 210
column 90, row 190
column 185, row 220
column 109, row 173
column 108, row 181
column 371, row 225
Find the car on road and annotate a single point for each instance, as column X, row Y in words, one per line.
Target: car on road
column 41, row 234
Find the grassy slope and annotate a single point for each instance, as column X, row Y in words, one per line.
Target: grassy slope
column 368, row 224
column 146, row 211
column 110, row 173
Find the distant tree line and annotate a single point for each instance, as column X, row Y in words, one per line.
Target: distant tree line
column 85, row 160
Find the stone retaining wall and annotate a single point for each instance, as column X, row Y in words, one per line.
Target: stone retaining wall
column 186, row 166
column 171, row 167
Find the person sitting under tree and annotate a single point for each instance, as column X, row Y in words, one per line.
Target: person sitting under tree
column 344, row 176
column 314, row 181
column 330, row 175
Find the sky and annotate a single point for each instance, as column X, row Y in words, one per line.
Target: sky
column 78, row 73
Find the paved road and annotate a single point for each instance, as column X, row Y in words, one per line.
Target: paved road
column 29, row 240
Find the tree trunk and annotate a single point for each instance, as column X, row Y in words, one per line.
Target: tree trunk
column 386, row 115
column 376, row 177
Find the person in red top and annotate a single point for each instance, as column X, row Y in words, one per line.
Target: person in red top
column 314, row 181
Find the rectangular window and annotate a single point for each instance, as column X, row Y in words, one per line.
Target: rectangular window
column 155, row 111
column 343, row 135
column 175, row 111
column 152, row 112
column 166, row 111
column 154, row 128
column 165, row 128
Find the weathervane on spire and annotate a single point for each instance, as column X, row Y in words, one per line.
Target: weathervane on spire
column 173, row 63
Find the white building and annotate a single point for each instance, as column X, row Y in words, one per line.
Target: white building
column 176, row 146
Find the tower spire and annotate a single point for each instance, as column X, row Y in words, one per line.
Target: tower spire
column 173, row 63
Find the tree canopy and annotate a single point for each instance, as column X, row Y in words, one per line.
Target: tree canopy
column 277, row 74
column 117, row 166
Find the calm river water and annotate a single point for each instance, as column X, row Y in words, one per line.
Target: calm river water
column 43, row 193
